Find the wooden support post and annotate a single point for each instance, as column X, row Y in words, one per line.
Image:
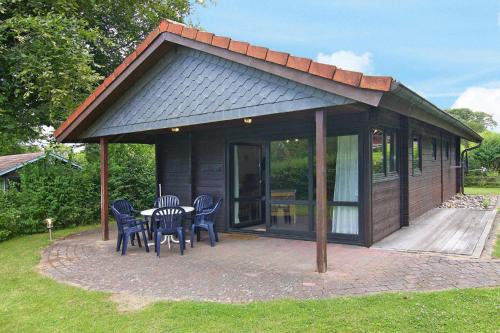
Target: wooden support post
column 104, row 189
column 321, row 201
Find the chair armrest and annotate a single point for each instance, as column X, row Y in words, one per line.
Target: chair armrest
column 208, row 211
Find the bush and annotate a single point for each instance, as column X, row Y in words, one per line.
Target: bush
column 48, row 188
column 131, row 172
column 488, row 154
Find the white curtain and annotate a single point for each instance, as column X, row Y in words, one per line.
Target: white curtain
column 236, row 181
column 345, row 218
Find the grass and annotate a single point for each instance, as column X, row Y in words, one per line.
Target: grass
column 31, row 302
column 482, row 190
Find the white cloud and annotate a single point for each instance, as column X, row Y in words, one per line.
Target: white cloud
column 348, row 60
column 486, row 99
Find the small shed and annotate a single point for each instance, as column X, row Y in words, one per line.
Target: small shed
column 10, row 164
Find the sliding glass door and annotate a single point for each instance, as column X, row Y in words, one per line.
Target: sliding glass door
column 290, row 185
column 247, row 185
column 277, row 185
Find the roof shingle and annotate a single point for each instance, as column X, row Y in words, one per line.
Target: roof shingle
column 8, row 162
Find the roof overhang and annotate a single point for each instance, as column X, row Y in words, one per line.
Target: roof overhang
column 406, row 102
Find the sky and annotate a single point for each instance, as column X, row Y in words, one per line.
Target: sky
column 447, row 51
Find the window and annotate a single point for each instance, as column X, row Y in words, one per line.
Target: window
column 293, row 185
column 390, row 152
column 434, row 149
column 416, row 154
column 342, row 184
column 378, row 152
column 447, row 151
column 290, row 165
column 384, row 153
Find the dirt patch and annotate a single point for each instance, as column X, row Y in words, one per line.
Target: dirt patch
column 130, row 303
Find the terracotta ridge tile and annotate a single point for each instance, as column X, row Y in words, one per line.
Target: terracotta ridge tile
column 382, row 83
column 323, row 70
column 279, row 58
column 239, row 47
column 204, row 37
column 175, row 27
column 298, row 63
column 220, row 41
column 164, row 25
column 347, row 77
column 189, row 32
column 257, row 51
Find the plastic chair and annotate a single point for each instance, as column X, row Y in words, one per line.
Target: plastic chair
column 168, row 221
column 125, row 207
column 127, row 227
column 205, row 220
column 166, row 201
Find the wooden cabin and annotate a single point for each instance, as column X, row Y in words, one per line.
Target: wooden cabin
column 295, row 148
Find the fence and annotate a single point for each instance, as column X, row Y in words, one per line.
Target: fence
column 482, row 181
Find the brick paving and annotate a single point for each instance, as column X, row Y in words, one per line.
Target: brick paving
column 245, row 268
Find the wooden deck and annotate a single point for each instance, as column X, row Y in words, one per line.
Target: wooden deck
column 444, row 230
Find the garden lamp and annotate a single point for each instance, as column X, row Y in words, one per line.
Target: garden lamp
column 50, row 224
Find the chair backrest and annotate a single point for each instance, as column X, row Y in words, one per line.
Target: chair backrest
column 216, row 207
column 167, row 201
column 123, row 206
column 208, row 214
column 119, row 218
column 202, row 202
column 168, row 217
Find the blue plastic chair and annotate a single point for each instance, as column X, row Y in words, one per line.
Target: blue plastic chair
column 205, row 220
column 201, row 203
column 125, row 207
column 127, row 227
column 167, row 201
column 168, row 221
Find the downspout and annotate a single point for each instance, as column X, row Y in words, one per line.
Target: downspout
column 462, row 165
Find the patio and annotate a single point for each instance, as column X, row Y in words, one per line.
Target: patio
column 244, row 268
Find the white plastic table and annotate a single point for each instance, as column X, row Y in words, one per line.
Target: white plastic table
column 166, row 238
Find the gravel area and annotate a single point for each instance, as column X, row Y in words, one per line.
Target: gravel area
column 484, row 202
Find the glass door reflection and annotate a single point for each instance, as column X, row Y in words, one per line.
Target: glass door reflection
column 247, row 186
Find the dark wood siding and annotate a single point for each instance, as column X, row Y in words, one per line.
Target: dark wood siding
column 386, row 208
column 449, row 171
column 386, row 193
column 437, row 181
column 174, row 172
column 209, row 169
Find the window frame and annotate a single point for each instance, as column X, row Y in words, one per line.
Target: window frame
column 386, row 174
column 416, row 171
column 446, row 150
column 434, row 149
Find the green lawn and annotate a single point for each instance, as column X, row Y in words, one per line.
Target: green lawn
column 33, row 303
column 482, row 190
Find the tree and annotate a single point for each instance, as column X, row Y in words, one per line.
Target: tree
column 54, row 53
column 47, row 71
column 488, row 154
column 477, row 120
